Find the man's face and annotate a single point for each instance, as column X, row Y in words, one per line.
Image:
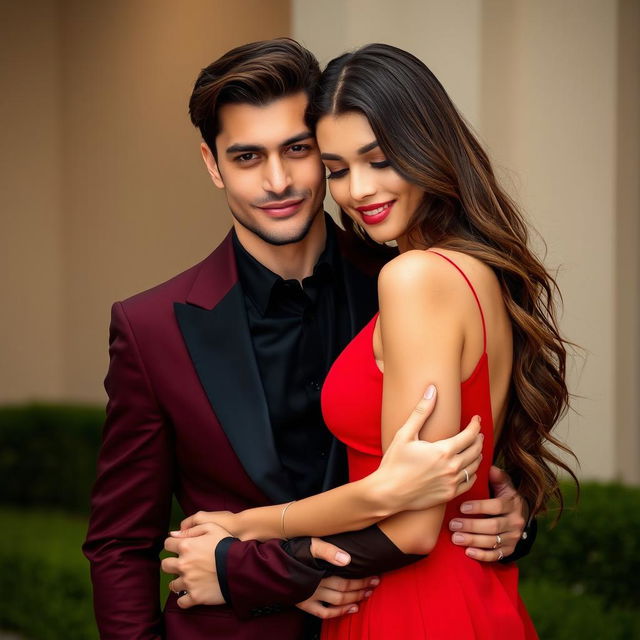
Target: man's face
column 269, row 166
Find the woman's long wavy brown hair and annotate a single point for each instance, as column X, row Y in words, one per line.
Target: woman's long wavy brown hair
column 428, row 143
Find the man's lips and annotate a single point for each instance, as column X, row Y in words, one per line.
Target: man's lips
column 375, row 213
column 282, row 209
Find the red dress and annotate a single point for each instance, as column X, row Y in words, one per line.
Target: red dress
column 446, row 596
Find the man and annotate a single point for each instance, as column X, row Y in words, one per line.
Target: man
column 214, row 388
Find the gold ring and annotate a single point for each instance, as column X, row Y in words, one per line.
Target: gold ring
column 500, row 554
column 466, row 475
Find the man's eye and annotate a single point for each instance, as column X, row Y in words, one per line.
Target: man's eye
column 299, row 148
column 245, row 157
column 332, row 175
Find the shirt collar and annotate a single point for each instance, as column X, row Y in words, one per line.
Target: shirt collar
column 258, row 281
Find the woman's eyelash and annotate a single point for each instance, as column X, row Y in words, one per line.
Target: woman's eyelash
column 332, row 175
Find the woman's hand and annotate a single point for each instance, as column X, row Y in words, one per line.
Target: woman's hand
column 226, row 519
column 415, row 474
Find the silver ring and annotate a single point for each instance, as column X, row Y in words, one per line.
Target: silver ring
column 498, row 540
column 182, row 593
column 466, row 475
column 500, row 554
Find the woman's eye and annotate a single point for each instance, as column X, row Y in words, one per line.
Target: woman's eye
column 383, row 164
column 332, row 175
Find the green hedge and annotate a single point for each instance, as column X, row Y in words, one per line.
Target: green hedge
column 49, row 593
column 48, row 455
column 595, row 548
column 47, row 589
column 561, row 614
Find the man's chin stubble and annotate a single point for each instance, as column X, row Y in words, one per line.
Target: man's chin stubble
column 272, row 239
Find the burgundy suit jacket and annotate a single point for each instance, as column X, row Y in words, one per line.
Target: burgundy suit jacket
column 187, row 416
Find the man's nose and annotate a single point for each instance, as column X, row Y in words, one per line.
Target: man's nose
column 277, row 177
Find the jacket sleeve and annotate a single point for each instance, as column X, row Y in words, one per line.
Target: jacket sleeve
column 131, row 499
column 260, row 578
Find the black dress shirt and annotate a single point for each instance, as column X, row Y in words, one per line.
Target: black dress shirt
column 297, row 330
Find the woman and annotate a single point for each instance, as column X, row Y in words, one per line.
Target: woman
column 466, row 306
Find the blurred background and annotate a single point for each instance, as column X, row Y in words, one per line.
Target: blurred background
column 103, row 193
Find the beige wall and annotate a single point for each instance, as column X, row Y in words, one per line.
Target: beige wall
column 627, row 379
column 539, row 82
column 104, row 192
column 31, row 280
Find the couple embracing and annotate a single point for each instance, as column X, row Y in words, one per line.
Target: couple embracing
column 324, row 407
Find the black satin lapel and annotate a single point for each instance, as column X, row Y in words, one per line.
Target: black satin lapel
column 220, row 347
column 362, row 296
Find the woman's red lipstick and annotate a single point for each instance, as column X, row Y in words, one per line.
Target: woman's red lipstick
column 375, row 213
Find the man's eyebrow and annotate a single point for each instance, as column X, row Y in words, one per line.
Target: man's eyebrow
column 244, row 148
column 361, row 150
column 298, row 138
column 253, row 148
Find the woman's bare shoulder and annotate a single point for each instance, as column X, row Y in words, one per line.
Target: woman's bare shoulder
column 424, row 273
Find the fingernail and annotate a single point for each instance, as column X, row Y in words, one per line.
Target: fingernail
column 175, row 533
column 479, row 418
column 430, row 392
column 374, row 582
column 466, row 507
column 367, row 594
column 472, row 553
column 353, row 609
column 454, row 525
column 458, row 538
column 342, row 557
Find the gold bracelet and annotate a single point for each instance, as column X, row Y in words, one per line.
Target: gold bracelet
column 284, row 510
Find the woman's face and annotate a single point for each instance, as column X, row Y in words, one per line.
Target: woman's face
column 361, row 180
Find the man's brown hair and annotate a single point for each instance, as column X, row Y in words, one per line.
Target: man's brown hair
column 256, row 73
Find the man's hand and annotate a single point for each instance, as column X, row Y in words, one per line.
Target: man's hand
column 494, row 538
column 336, row 596
column 195, row 566
column 415, row 474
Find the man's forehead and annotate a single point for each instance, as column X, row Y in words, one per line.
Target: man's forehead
column 263, row 125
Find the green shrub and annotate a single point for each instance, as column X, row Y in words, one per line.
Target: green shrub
column 49, row 589
column 48, row 455
column 560, row 614
column 49, row 595
column 595, row 548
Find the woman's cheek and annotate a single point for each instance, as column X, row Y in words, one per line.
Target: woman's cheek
column 337, row 193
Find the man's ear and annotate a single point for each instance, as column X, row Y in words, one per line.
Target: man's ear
column 212, row 165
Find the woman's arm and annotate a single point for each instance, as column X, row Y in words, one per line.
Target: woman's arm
column 421, row 327
column 413, row 475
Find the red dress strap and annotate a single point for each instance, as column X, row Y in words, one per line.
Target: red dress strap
column 475, row 295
